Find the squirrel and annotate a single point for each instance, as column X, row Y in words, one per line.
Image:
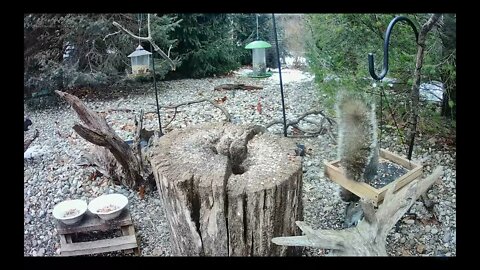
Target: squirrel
column 357, row 139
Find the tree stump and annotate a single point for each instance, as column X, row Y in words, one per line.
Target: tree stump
column 228, row 190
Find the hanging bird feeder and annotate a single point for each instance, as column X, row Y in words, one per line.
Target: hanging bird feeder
column 258, row 59
column 140, row 61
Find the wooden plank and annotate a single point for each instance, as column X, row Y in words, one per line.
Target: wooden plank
column 65, row 239
column 360, row 189
column 335, row 173
column 91, row 222
column 128, row 230
column 99, row 246
column 398, row 159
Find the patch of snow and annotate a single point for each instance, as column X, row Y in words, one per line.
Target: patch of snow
column 33, row 151
column 242, row 71
column 432, row 91
column 291, row 60
column 288, row 75
column 291, row 75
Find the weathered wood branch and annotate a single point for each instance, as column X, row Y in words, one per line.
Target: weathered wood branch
column 369, row 237
column 150, row 40
column 27, row 143
column 98, row 132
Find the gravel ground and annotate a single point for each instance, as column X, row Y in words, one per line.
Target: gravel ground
column 52, row 173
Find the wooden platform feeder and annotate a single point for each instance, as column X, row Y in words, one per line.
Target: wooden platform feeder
column 334, row 171
column 90, row 223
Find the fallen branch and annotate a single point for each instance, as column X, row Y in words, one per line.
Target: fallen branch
column 369, row 237
column 233, row 86
column 296, row 121
column 27, row 143
column 228, row 118
column 116, row 110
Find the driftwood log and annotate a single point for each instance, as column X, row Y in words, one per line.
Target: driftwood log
column 98, row 132
column 368, row 238
column 228, row 190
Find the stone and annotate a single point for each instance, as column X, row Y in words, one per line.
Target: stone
column 421, row 248
column 410, row 221
column 446, row 237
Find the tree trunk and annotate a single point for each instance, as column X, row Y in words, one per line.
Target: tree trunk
column 448, row 35
column 415, row 94
column 228, row 190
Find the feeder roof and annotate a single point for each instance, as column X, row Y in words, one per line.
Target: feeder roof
column 258, row 44
column 139, row 51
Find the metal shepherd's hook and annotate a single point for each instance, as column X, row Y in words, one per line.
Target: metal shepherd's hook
column 371, row 67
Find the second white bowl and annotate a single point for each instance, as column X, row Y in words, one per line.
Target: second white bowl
column 109, row 206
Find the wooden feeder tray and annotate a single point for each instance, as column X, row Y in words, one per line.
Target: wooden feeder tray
column 334, row 171
column 91, row 223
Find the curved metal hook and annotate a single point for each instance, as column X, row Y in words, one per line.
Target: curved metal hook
column 371, row 67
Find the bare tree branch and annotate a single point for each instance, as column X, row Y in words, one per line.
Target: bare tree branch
column 112, row 34
column 130, row 33
column 149, row 39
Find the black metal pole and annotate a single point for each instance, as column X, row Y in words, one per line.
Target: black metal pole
column 280, row 75
column 156, row 91
column 381, row 117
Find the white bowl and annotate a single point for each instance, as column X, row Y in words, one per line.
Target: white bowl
column 60, row 211
column 109, row 206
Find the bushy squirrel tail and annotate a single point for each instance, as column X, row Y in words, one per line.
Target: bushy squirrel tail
column 357, row 138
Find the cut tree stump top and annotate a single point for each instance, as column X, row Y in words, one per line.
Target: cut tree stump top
column 209, row 150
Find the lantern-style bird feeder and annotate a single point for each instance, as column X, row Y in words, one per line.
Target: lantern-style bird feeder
column 258, row 59
column 140, row 61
